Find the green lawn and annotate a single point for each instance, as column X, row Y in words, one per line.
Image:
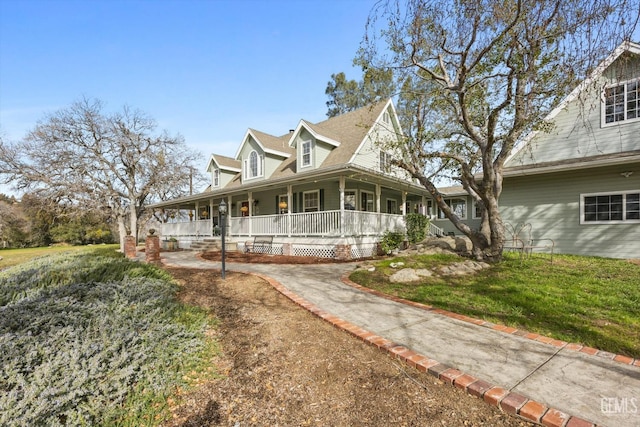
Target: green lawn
column 587, row 300
column 11, row 257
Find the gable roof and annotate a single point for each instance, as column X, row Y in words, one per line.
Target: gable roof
column 268, row 143
column 597, row 73
column 346, row 133
column 315, row 131
column 224, row 163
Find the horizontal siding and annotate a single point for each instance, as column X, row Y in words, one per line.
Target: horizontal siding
column 551, row 204
column 577, row 131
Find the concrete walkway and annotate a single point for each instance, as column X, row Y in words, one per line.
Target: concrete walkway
column 543, row 380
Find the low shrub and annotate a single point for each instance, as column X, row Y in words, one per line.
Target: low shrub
column 78, row 332
column 391, row 240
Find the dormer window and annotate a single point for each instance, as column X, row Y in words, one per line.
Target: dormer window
column 306, row 153
column 253, row 165
column 216, row 177
column 621, row 102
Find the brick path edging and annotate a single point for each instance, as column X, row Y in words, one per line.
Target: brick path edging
column 512, row 403
column 502, row 328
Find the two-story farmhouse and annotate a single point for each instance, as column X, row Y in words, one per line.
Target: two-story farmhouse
column 320, row 189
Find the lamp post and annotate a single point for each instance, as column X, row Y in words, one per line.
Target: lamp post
column 222, row 208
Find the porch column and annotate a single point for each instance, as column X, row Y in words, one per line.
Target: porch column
column 378, row 193
column 250, row 199
column 227, row 217
column 341, row 187
column 404, row 203
column 289, row 208
column 211, row 216
column 423, row 208
column 196, row 219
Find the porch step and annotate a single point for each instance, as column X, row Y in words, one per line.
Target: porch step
column 212, row 245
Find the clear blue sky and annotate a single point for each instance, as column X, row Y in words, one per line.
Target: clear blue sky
column 207, row 69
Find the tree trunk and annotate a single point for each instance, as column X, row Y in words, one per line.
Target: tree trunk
column 122, row 229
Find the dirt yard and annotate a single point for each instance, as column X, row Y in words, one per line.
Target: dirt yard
column 281, row 366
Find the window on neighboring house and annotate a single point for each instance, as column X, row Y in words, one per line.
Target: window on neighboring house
column 306, row 153
column 366, row 201
column 385, row 161
column 253, row 165
column 605, row 208
column 458, row 206
column 477, row 212
column 622, row 102
column 350, row 200
column 216, row 177
column 311, row 201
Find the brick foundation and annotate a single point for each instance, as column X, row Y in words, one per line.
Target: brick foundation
column 343, row 252
column 287, row 249
column 130, row 246
column 152, row 249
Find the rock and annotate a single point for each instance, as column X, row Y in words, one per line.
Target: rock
column 462, row 268
column 463, row 245
column 424, row 272
column 405, row 275
column 396, row 264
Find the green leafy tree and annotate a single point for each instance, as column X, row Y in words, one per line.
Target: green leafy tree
column 476, row 76
column 14, row 227
column 348, row 95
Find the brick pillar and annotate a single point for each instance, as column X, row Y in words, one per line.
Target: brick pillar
column 343, row 252
column 152, row 249
column 130, row 246
column 287, row 249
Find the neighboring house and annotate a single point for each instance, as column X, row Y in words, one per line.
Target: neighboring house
column 324, row 189
column 579, row 184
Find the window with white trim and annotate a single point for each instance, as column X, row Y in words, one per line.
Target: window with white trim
column 350, row 200
column 253, row 165
column 457, row 205
column 621, row 102
column 392, row 206
column 311, row 201
column 216, row 177
column 477, row 212
column 306, row 153
column 367, row 202
column 385, row 161
column 605, row 208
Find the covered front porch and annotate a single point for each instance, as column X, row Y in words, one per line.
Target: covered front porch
column 334, row 223
column 357, row 209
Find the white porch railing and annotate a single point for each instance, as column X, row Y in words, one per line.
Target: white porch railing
column 198, row 228
column 434, row 230
column 325, row 223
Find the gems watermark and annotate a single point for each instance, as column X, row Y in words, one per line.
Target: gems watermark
column 619, row 405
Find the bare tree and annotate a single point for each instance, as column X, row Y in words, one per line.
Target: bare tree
column 478, row 75
column 114, row 163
